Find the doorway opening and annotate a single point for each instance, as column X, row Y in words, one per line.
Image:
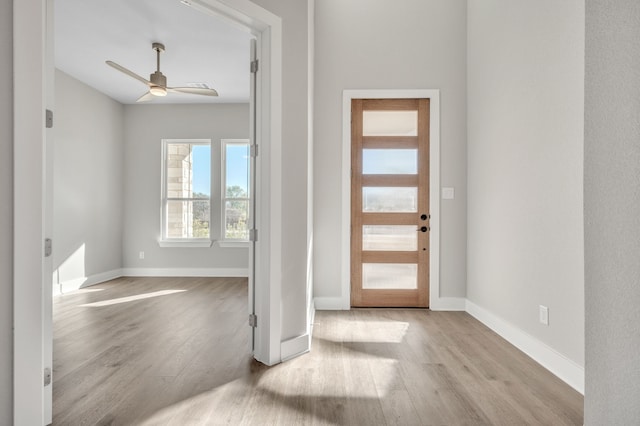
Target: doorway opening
column 119, row 151
column 32, row 270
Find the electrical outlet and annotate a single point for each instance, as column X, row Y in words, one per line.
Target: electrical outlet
column 141, row 255
column 544, row 315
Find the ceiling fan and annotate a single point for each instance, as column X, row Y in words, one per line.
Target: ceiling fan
column 158, row 82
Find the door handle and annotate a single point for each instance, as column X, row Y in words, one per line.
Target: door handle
column 425, row 216
column 424, row 229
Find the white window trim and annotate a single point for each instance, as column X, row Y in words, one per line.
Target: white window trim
column 228, row 242
column 163, row 241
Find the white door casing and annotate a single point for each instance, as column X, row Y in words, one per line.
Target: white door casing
column 29, row 211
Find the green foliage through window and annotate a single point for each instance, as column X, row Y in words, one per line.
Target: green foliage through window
column 236, row 183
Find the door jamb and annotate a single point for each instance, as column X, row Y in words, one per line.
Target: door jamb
column 29, row 104
column 434, row 185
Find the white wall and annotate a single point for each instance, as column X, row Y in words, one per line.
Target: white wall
column 103, row 221
column 88, row 182
column 413, row 44
column 6, row 213
column 145, row 127
column 525, row 147
column 612, row 212
column 295, row 145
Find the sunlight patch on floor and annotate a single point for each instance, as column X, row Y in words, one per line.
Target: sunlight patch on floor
column 131, row 298
column 199, row 409
column 372, row 331
column 86, row 290
column 283, row 397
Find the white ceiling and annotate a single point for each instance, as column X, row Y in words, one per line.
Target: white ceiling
column 199, row 48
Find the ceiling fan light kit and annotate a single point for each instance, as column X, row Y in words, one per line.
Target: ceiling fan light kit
column 158, row 82
column 158, row 91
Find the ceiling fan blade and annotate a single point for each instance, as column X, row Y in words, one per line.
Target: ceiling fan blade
column 146, row 97
column 129, row 73
column 194, row 90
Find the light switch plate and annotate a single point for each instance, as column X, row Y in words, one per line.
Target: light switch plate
column 448, row 193
column 544, row 315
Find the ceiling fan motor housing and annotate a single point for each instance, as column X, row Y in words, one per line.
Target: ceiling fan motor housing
column 158, row 79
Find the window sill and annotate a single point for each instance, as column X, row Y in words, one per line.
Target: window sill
column 233, row 244
column 185, row 243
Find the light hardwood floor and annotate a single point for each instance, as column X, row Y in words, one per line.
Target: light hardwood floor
column 182, row 358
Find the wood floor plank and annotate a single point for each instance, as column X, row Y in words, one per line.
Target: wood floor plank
column 175, row 351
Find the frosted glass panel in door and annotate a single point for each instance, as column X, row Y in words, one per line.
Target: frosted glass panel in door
column 389, row 123
column 389, row 161
column 389, row 238
column 396, row 276
column 380, row 199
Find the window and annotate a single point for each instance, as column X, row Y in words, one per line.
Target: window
column 235, row 190
column 186, row 192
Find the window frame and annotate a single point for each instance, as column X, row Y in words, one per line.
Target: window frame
column 165, row 241
column 224, row 241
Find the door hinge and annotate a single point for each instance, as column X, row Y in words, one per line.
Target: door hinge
column 253, row 235
column 48, row 121
column 254, row 66
column 253, row 320
column 47, row 376
column 254, row 150
column 48, row 247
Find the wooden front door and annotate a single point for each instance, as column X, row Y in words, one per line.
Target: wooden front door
column 390, row 203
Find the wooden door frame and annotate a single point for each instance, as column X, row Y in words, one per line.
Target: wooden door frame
column 434, row 186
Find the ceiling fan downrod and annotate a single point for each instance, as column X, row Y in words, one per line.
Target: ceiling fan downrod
column 157, row 78
column 158, row 47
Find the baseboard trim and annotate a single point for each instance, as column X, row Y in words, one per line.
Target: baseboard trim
column 331, row 304
column 185, row 272
column 102, row 277
column 561, row 366
column 295, row 347
column 82, row 282
column 448, row 304
column 68, row 286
